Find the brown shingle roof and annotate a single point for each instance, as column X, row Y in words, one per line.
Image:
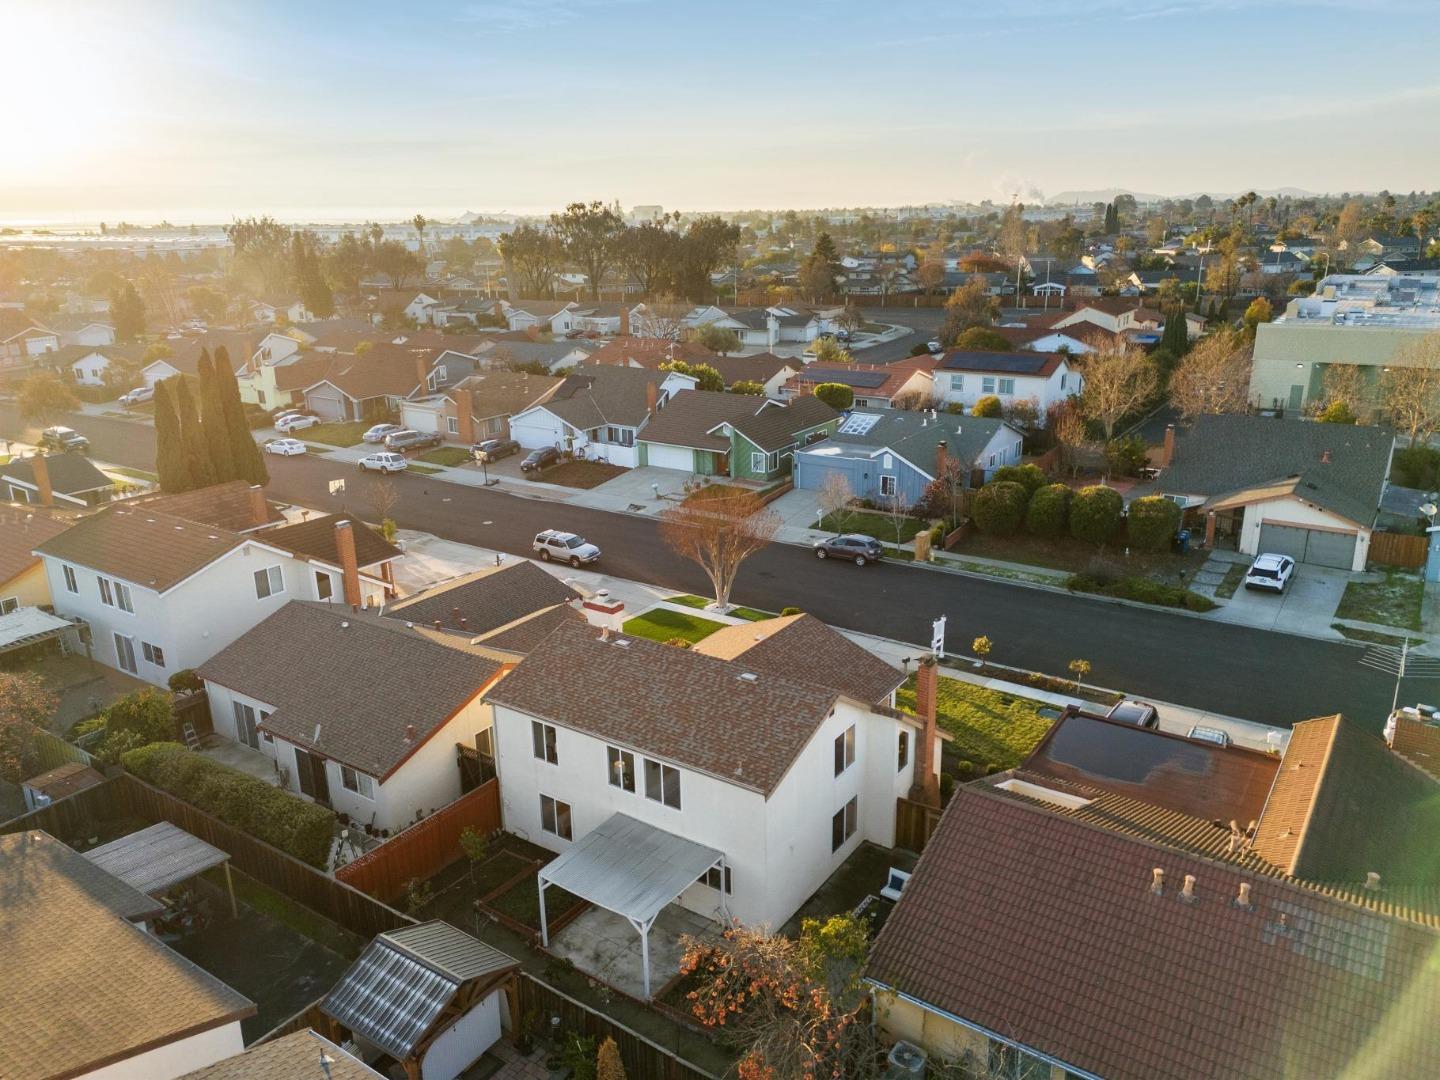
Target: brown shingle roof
column 486, row 599
column 357, row 678
column 689, row 416
column 525, row 633
column 22, row 530
column 672, row 703
column 504, row 393
column 1045, row 931
column 591, row 396
column 185, row 352
column 384, row 371
column 776, row 426
column 85, row 988
column 141, row 545
column 305, row 370
column 290, row 1057
column 650, row 352
column 802, row 647
column 226, row 506
column 760, row 367
column 315, row 539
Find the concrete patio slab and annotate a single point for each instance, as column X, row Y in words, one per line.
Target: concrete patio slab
column 605, row 946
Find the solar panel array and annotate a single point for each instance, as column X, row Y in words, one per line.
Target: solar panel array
column 1014, row 363
column 861, row 380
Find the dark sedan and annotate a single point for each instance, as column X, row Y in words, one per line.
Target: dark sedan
column 857, row 547
column 537, row 460
column 495, row 449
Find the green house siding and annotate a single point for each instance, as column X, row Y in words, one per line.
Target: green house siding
column 776, row 463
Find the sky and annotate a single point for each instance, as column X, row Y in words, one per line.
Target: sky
column 313, row 110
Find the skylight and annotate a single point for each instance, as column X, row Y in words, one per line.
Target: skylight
column 859, row 423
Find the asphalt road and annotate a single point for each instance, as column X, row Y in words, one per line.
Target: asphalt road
column 1254, row 674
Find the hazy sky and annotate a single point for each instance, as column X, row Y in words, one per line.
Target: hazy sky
column 204, row 110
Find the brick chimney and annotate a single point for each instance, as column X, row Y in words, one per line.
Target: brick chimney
column 41, row 470
column 349, row 567
column 652, row 398
column 259, row 509
column 942, row 458
column 604, row 611
column 422, row 369
column 624, row 320
column 1167, row 452
column 926, row 788
column 464, row 415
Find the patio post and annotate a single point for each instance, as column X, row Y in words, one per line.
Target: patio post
column 645, row 958
column 544, row 927
column 230, row 886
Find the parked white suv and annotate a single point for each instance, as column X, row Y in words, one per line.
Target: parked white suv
column 383, row 462
column 1272, row 572
column 565, row 547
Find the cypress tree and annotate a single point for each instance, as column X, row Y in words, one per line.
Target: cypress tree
column 212, row 422
column 1175, row 339
column 170, row 460
column 192, row 438
column 245, row 456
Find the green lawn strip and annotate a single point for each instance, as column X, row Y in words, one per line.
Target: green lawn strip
column 1356, row 633
column 423, row 470
column 989, row 727
column 284, row 910
column 880, row 526
column 447, row 455
column 749, row 614
column 316, row 448
column 347, row 433
column 1234, row 575
column 688, row 600
column 1392, row 602
column 133, row 474
column 662, row 624
column 1141, row 590
column 1004, row 572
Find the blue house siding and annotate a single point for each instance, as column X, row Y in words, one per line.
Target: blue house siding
column 862, row 474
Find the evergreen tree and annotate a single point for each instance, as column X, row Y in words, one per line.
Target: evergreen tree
column 192, row 438
column 213, row 424
column 128, row 312
column 1176, row 337
column 244, row 453
column 1112, row 219
column 170, row 460
column 310, row 283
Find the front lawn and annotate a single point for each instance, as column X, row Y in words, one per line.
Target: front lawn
column 423, row 470
column 1392, row 602
column 716, row 491
column 581, row 474
column 447, row 455
column 880, row 526
column 1078, row 557
column 749, row 614
column 662, row 624
column 338, row 434
column 1234, row 575
column 990, row 727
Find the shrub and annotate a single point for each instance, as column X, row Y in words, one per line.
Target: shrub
column 836, row 395
column 1095, row 514
column 955, row 409
column 1127, row 456
column 1152, row 522
column 1000, row 508
column 1049, row 511
column 1143, row 590
column 1337, row 412
column 679, row 642
column 988, row 406
column 302, row 829
column 982, row 339
column 791, row 611
column 136, row 720
column 964, row 769
column 185, row 682
column 947, row 787
column 1416, row 467
column 1030, row 477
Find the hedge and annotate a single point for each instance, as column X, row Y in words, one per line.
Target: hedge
column 1152, row 522
column 1000, row 508
column 302, row 829
column 988, row 406
column 1030, row 477
column 1095, row 513
column 1141, row 589
column 1049, row 511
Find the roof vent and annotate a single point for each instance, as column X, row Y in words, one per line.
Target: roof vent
column 749, row 676
column 1187, row 890
column 1372, row 881
column 1243, row 899
column 345, row 625
column 1325, row 458
column 1157, row 881
column 409, row 732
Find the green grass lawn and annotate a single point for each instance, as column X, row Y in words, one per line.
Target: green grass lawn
column 989, row 726
column 1392, row 602
column 1234, row 575
column 423, row 470
column 447, row 455
column 880, row 526
column 662, row 624
column 134, row 474
column 749, row 614
column 337, row 434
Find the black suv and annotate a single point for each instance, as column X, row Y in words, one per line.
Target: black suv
column 857, row 547
column 64, row 438
column 495, row 449
column 400, row 441
column 537, row 460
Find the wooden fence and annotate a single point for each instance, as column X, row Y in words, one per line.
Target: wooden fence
column 1398, row 549
column 914, row 824
column 193, row 708
column 425, row 848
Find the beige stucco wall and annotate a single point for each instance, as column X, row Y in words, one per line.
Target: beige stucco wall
column 30, row 587
column 1280, row 346
column 942, row 1038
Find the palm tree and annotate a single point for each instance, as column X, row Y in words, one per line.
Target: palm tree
column 419, row 222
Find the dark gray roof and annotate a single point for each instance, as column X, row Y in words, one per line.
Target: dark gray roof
column 691, row 417
column 348, row 684
column 486, row 600
column 70, row 474
column 776, row 426
column 403, row 981
column 1007, row 363
column 859, row 378
column 914, row 437
column 1339, row 467
column 604, row 395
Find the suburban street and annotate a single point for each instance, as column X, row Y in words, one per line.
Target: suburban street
column 1256, row 675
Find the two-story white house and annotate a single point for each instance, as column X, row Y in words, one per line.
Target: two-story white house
column 161, row 593
column 964, row 377
column 359, row 712
column 781, row 755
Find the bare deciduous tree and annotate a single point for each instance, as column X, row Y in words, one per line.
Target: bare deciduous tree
column 834, row 499
column 1214, row 377
column 382, row 495
column 1068, row 427
column 1118, row 382
column 1410, row 389
column 1343, row 383
column 719, row 531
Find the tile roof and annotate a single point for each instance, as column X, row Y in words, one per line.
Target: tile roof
column 1219, row 455
column 363, row 679
column 803, row 647
column 777, row 425
column 226, row 506
column 688, row 418
column 141, row 545
column 22, row 530
column 487, row 599
column 314, row 538
column 290, row 1057
column 70, row 474
column 1045, row 931
column 667, row 702
column 1417, row 741
column 86, row 988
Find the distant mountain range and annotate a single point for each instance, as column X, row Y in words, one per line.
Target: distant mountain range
column 1085, row 198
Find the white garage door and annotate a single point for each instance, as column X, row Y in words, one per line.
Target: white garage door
column 670, row 457
column 1315, row 546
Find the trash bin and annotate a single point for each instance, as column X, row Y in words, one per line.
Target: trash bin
column 1182, row 542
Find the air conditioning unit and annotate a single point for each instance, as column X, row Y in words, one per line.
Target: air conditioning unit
column 905, row 1060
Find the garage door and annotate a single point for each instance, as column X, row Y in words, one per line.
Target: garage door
column 670, row 457
column 810, row 472
column 1308, row 545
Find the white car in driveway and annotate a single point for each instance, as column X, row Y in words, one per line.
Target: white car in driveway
column 1270, row 572
column 384, row 462
column 289, row 422
column 377, row 433
column 285, row 447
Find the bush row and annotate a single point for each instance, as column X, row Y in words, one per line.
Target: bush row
column 302, row 829
column 1017, row 496
column 1144, row 590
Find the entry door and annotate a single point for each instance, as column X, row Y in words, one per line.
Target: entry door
column 125, row 653
column 310, row 772
column 1297, row 395
column 245, row 725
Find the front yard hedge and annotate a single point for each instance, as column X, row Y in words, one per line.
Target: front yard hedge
column 1095, row 513
column 1049, row 511
column 1000, row 508
column 1140, row 589
column 299, row 828
column 1153, row 522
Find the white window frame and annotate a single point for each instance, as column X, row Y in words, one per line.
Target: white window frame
column 889, row 485
column 452, row 425
column 72, row 584
column 1006, row 387
column 560, row 824
column 9, row 604
column 626, row 760
column 844, row 750
column 328, row 590
column 134, row 669
column 123, row 599
column 957, row 383
column 269, row 575
column 358, row 782
column 848, row 819
column 107, row 594
column 757, row 461
column 154, row 654
column 544, row 742
column 987, row 384
column 902, row 751
column 657, row 772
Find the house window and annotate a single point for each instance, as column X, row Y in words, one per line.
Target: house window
column 260, row 396
column 71, row 585
column 555, row 817
column 957, row 383
column 1011, row 1063
column 154, row 654
column 125, row 653
column 662, row 783
column 268, row 582
column 622, row 768
column 494, row 426
column 887, row 462
column 845, row 750
column 357, row 782
column 452, row 425
column 843, row 824
column 762, row 462
column 324, row 585
column 1007, row 386
column 714, row 878
column 887, row 485
column 107, row 595
column 902, row 757
column 122, row 598
column 987, row 384
column 542, row 741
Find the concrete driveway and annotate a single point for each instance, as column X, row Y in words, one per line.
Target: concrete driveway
column 635, row 491
column 1306, row 607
